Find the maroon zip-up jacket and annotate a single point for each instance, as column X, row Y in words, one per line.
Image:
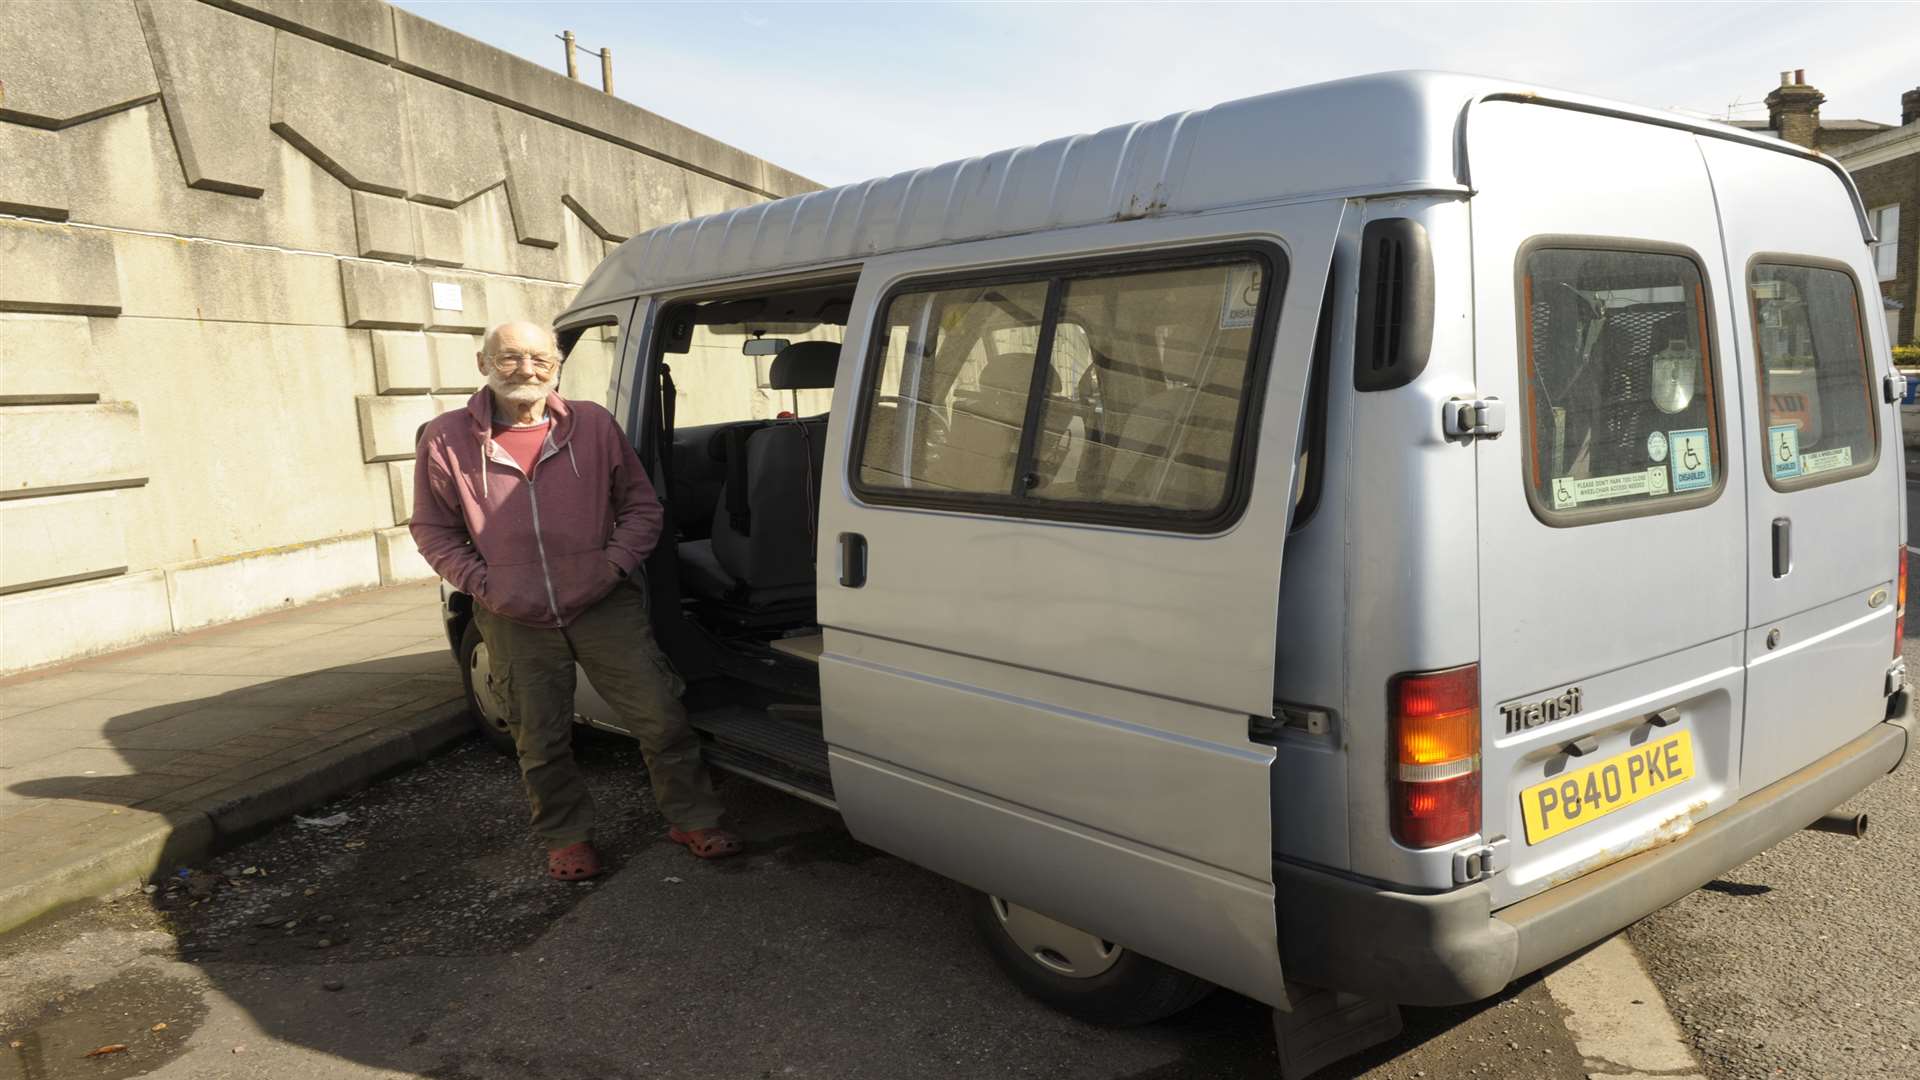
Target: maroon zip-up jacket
column 540, row 548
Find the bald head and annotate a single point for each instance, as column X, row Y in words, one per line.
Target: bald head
column 518, row 336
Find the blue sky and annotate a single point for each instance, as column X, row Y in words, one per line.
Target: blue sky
column 841, row 91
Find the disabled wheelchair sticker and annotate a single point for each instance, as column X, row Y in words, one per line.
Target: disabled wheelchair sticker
column 1692, row 459
column 1783, row 450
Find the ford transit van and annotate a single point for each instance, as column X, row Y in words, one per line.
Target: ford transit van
column 1353, row 546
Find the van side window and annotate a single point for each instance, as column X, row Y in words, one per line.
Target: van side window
column 1820, row 423
column 948, row 407
column 1108, row 389
column 1616, row 365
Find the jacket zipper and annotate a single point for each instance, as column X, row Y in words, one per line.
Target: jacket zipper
column 553, row 603
column 539, row 544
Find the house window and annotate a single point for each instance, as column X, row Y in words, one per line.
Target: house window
column 1886, row 251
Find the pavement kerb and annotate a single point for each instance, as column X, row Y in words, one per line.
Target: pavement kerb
column 274, row 796
column 191, row 834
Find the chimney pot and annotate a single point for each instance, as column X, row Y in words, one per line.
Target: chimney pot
column 1786, row 78
column 1799, row 76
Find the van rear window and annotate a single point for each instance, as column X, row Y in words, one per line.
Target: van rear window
column 1111, row 390
column 1618, row 378
column 1820, row 423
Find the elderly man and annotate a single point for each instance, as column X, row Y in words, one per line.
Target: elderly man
column 538, row 508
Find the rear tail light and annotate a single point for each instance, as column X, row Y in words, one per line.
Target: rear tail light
column 1900, row 607
column 1435, row 788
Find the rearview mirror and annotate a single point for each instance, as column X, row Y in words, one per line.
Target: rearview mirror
column 769, row 346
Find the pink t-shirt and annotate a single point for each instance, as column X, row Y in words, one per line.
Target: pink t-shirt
column 522, row 444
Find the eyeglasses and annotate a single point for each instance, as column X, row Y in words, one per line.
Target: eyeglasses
column 511, row 361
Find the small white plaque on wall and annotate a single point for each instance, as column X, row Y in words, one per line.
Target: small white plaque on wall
column 446, row 296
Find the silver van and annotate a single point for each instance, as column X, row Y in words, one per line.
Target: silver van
column 1353, row 546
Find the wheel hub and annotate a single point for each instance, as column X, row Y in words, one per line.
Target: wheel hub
column 485, row 693
column 1054, row 945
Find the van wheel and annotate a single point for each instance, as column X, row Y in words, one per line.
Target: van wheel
column 1077, row 972
column 484, row 703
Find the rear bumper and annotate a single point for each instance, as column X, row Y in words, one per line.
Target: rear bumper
column 1448, row 948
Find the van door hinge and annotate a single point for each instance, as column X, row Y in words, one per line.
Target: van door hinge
column 1894, row 388
column 1475, row 864
column 1475, row 418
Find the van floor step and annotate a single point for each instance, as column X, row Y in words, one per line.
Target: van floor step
column 791, row 751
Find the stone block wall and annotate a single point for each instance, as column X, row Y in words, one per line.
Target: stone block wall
column 246, row 248
column 1897, row 183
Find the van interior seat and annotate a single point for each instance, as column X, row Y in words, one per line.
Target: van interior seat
column 1625, row 348
column 983, row 436
column 762, row 547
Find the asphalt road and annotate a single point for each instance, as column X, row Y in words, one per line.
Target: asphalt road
column 813, row 956
column 418, row 938
column 1802, row 962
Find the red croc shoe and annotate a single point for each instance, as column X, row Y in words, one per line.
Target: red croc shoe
column 707, row 843
column 575, row 862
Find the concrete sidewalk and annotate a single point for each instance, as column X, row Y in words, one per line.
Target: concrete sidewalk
column 125, row 765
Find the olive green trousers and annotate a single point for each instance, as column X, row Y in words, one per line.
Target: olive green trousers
column 613, row 643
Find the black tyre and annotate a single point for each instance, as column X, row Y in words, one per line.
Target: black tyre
column 484, row 703
column 1078, row 973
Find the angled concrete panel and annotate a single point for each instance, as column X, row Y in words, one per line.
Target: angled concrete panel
column 438, row 237
column 124, row 172
column 400, row 484
column 384, row 226
column 609, row 187
column 216, row 80
column 34, row 182
column 60, row 539
column 50, row 449
column 456, row 154
column 363, row 147
column 361, row 26
column 383, row 297
column 62, row 69
column 57, row 269
column 455, row 367
column 176, row 279
column 402, row 363
column 457, row 301
column 530, row 147
column 400, row 560
column 388, row 425
column 47, row 360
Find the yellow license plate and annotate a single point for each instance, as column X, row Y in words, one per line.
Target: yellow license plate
column 1574, row 798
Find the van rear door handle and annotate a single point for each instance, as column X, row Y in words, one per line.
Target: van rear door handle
column 853, row 560
column 1782, row 547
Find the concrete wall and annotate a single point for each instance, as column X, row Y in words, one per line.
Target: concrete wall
column 221, row 225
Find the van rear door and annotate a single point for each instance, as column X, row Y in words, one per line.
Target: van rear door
column 1050, row 549
column 1823, row 530
column 1612, row 513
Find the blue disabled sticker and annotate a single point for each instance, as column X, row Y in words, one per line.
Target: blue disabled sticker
column 1783, row 450
column 1692, row 459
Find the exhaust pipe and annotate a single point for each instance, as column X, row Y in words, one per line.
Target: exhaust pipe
column 1854, row 825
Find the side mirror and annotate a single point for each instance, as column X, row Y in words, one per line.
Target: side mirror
column 770, row 346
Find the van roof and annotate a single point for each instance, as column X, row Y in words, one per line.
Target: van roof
column 1399, row 132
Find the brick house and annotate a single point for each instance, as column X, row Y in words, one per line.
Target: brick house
column 1885, row 163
